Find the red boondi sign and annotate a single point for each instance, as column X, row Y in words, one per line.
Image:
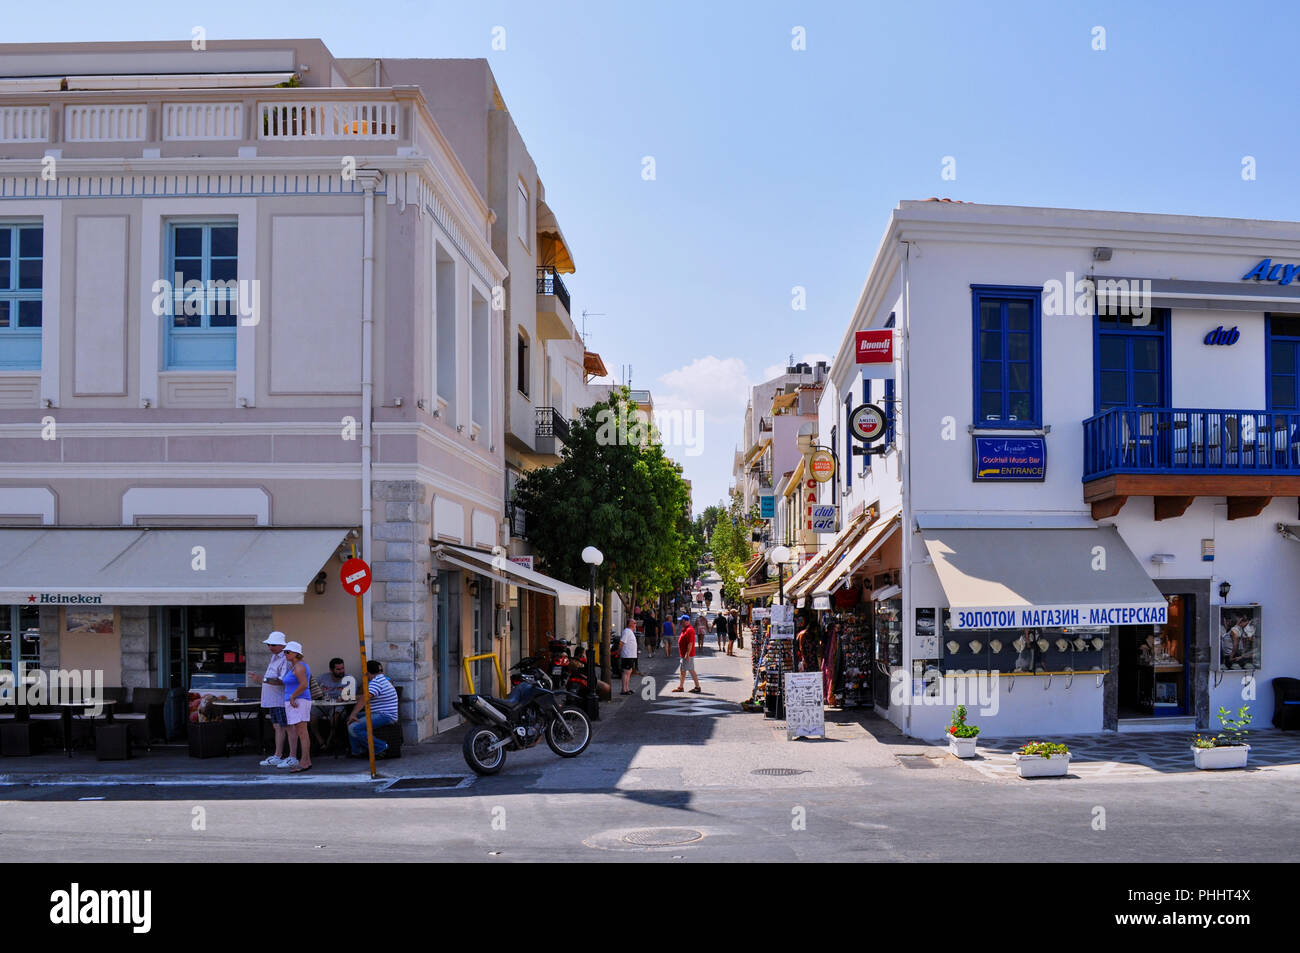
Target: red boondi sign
column 876, row 348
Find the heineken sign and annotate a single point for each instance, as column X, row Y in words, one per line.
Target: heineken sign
column 66, row 599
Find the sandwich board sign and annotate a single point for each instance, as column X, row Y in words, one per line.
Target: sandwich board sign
column 804, row 715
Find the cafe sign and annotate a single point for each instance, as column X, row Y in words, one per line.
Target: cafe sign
column 66, row 599
column 822, row 465
column 1010, row 459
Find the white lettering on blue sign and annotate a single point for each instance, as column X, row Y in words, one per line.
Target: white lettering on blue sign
column 1059, row 617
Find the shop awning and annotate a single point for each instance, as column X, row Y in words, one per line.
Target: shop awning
column 140, row 566
column 512, row 574
column 764, row 590
column 553, row 250
column 810, row 574
column 1028, row 578
column 784, row 401
column 867, row 545
column 753, row 568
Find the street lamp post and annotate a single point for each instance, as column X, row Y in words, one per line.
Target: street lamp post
column 593, row 557
column 779, row 557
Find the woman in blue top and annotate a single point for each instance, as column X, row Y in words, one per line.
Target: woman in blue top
column 297, row 709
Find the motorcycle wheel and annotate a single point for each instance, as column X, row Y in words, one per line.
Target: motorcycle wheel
column 477, row 744
column 577, row 743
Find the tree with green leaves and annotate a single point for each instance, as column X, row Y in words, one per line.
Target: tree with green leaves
column 613, row 489
column 732, row 547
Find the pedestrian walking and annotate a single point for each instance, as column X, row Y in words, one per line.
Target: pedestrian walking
column 686, row 648
column 720, row 627
column 273, row 697
column 732, row 626
column 297, row 704
column 669, row 637
column 627, row 656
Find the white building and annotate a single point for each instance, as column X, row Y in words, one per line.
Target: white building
column 1083, row 496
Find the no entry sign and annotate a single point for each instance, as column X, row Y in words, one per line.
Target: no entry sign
column 355, row 576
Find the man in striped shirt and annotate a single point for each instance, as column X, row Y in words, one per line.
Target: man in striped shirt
column 383, row 711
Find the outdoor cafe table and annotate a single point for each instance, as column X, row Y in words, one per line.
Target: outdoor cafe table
column 335, row 704
column 70, row 709
column 241, row 711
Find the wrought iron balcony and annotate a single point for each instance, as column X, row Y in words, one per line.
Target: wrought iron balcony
column 549, row 283
column 1192, row 441
column 551, row 425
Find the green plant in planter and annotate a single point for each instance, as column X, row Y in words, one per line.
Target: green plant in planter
column 1210, row 742
column 1234, row 729
column 1044, row 749
column 958, row 727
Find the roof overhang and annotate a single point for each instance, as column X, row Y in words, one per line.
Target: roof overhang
column 501, row 569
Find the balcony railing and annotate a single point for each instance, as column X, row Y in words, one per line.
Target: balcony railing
column 551, row 424
column 549, row 283
column 1190, row 441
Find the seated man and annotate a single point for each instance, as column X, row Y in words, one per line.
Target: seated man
column 329, row 687
column 383, row 711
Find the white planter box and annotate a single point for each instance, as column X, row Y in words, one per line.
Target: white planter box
column 1036, row 766
column 962, row 747
column 1215, row 759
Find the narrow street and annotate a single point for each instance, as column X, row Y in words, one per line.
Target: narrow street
column 677, row 778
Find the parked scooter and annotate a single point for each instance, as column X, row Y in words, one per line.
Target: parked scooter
column 518, row 721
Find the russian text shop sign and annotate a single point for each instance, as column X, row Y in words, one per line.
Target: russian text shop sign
column 1037, row 617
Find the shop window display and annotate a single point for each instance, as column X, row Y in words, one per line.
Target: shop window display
column 1077, row 649
column 1239, row 631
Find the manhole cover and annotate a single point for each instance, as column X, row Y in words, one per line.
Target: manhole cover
column 663, row 837
column 424, row 784
column 778, row 772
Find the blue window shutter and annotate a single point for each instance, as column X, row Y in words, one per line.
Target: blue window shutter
column 889, row 412
column 848, row 443
column 866, row 399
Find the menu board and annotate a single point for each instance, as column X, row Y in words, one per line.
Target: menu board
column 804, row 715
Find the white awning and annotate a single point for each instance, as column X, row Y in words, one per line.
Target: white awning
column 137, row 566
column 1010, row 578
column 501, row 569
column 181, row 81
column 863, row 549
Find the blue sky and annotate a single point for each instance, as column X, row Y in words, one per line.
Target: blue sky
column 776, row 167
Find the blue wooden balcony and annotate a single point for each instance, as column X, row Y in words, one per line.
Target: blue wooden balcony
column 1175, row 454
column 1179, row 440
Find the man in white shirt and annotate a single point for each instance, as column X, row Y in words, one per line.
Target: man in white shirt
column 273, row 700
column 627, row 656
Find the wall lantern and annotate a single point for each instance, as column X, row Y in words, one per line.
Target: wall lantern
column 1223, row 590
column 319, row 583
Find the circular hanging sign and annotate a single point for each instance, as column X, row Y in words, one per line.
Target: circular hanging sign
column 822, row 465
column 867, row 422
column 355, row 576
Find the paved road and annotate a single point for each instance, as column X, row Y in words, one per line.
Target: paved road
column 672, row 780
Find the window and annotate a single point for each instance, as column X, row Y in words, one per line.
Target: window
column 1283, row 368
column 521, row 213
column 866, row 399
column 20, row 638
column 21, row 261
column 201, row 310
column 889, row 412
column 521, row 364
column 480, row 362
column 1007, row 325
column 848, row 443
column 445, row 305
column 1131, row 367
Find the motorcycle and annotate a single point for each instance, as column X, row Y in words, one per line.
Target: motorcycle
column 530, row 667
column 519, row 721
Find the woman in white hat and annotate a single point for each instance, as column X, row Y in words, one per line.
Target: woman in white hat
column 273, row 698
column 297, row 707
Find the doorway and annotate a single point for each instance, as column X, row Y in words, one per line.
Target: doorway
column 447, row 634
column 1155, row 664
